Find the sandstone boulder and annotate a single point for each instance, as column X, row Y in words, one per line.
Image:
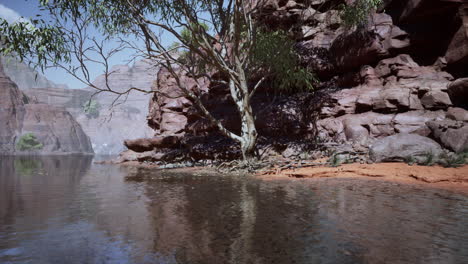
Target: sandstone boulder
column 457, row 114
column 148, row 144
column 400, row 147
column 458, row 91
column 451, row 134
column 436, row 100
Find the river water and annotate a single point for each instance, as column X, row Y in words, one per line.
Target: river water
column 69, row 210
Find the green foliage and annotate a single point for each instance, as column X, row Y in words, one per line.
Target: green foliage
column 188, row 35
column 28, row 142
column 335, row 160
column 429, row 159
column 40, row 43
column 448, row 160
column 358, row 12
column 274, row 52
column 92, row 108
column 189, row 38
column 410, row 160
column 453, row 160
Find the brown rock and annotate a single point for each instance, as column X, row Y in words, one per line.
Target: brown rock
column 402, row 146
column 353, row 50
column 458, row 91
column 457, row 114
column 457, row 50
column 451, row 134
column 12, row 112
column 436, row 100
column 414, row 122
column 149, row 144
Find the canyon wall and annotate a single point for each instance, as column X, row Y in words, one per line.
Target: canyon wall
column 54, row 129
column 117, row 118
column 398, row 81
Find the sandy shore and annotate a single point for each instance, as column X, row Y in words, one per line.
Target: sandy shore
column 455, row 179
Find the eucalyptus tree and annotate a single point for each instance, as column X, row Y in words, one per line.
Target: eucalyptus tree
column 220, row 36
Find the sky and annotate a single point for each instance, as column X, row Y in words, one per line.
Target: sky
column 12, row 10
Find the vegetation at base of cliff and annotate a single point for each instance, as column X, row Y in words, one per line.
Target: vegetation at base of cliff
column 274, row 50
column 92, row 108
column 448, row 160
column 28, row 142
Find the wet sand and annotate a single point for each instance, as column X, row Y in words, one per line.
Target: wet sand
column 455, row 179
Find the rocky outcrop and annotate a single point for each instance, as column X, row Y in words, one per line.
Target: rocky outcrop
column 379, row 85
column 53, row 127
column 11, row 112
column 451, row 134
column 26, row 77
column 402, row 98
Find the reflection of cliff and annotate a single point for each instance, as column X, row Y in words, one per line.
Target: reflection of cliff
column 21, row 200
column 395, row 224
column 62, row 209
column 228, row 220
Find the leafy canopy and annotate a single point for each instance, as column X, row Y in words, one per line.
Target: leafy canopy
column 269, row 52
column 274, row 50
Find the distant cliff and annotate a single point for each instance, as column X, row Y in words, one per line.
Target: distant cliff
column 29, row 127
column 113, row 122
column 25, row 77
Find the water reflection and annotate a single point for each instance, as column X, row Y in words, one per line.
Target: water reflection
column 68, row 210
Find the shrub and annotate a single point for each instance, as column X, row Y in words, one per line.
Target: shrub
column 28, row 142
column 91, row 108
column 454, row 160
column 429, row 159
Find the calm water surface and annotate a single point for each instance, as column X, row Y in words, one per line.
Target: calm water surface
column 68, row 210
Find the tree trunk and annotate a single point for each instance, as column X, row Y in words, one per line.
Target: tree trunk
column 248, row 137
column 249, row 133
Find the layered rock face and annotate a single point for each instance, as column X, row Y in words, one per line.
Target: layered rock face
column 379, row 85
column 25, row 77
column 122, row 117
column 53, row 127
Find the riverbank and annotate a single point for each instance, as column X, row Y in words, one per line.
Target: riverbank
column 454, row 179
